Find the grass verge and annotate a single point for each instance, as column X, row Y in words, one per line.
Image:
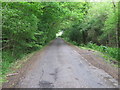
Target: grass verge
column 111, row 55
column 106, row 57
column 9, row 65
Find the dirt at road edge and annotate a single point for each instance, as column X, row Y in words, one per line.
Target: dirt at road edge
column 97, row 60
column 12, row 81
column 90, row 56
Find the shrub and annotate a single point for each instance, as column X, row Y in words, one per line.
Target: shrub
column 113, row 52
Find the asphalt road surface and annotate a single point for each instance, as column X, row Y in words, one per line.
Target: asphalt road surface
column 62, row 67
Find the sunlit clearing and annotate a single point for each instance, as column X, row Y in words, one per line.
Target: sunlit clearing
column 59, row 33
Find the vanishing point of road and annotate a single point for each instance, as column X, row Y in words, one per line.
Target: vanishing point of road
column 60, row 66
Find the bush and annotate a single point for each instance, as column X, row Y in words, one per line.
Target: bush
column 113, row 52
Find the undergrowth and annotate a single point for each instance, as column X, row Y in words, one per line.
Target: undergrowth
column 12, row 61
column 108, row 52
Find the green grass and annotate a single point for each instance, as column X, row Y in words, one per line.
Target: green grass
column 10, row 61
column 7, row 62
column 109, row 51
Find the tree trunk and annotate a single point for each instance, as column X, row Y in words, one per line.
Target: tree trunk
column 118, row 24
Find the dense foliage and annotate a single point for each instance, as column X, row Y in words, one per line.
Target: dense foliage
column 99, row 25
column 27, row 26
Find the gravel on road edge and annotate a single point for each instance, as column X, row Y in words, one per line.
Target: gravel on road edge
column 96, row 60
column 13, row 79
column 90, row 56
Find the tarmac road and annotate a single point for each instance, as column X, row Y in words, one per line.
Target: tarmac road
column 62, row 67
